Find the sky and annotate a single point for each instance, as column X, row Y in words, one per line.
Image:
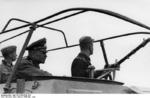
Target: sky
column 133, row 71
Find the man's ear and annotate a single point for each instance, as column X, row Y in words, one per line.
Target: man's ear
column 9, row 56
column 89, row 48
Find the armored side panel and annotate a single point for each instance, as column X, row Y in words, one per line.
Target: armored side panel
column 71, row 85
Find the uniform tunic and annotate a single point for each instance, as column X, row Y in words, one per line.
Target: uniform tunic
column 28, row 69
column 80, row 66
column 5, row 71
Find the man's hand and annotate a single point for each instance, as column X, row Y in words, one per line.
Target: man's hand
column 91, row 67
column 91, row 71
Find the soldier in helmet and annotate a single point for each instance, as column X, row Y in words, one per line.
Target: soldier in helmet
column 29, row 66
column 9, row 54
column 81, row 65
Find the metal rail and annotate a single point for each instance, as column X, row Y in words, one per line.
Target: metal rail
column 117, row 64
column 81, row 11
column 8, row 83
column 36, row 22
column 20, row 20
column 104, row 39
column 14, row 36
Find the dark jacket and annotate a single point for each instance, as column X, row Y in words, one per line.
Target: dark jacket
column 5, row 71
column 27, row 69
column 80, row 66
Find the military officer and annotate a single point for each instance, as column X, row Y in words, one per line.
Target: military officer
column 81, row 65
column 82, row 62
column 9, row 54
column 29, row 65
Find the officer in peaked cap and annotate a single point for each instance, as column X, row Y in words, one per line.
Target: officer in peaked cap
column 40, row 44
column 9, row 54
column 38, row 47
column 29, row 65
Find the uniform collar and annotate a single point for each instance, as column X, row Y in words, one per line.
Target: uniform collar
column 85, row 56
column 33, row 63
column 6, row 63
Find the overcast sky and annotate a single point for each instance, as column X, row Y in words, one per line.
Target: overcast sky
column 134, row 71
